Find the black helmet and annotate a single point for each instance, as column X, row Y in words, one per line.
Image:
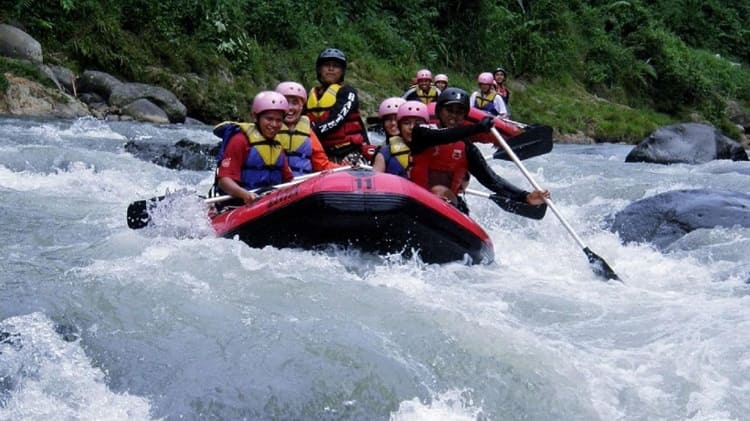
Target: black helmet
column 452, row 96
column 331, row 54
column 500, row 69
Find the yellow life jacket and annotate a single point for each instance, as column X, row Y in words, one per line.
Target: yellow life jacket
column 483, row 101
column 291, row 140
column 427, row 97
column 319, row 106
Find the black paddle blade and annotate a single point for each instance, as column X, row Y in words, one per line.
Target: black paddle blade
column 138, row 216
column 600, row 267
column 518, row 208
column 533, row 141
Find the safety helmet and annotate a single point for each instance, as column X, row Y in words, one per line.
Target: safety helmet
column 441, row 78
column 331, row 54
column 452, row 96
column 413, row 109
column 499, row 69
column 292, row 89
column 424, row 74
column 269, row 101
column 485, row 78
column 390, row 106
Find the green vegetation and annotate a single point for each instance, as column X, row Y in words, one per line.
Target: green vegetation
column 613, row 70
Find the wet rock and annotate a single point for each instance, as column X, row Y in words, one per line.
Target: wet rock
column 69, row 333
column 690, row 143
column 66, row 78
column 183, row 155
column 664, row 218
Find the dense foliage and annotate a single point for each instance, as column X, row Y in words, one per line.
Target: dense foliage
column 672, row 57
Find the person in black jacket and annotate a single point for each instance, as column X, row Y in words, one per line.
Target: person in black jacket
column 444, row 169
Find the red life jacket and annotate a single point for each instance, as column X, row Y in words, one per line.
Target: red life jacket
column 441, row 165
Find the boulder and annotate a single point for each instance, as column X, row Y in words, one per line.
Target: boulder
column 145, row 110
column 664, row 218
column 183, row 155
column 126, row 93
column 15, row 43
column 690, row 143
column 47, row 71
column 100, row 83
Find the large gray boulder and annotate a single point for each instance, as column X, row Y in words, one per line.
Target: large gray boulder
column 145, row 110
column 664, row 218
column 126, row 93
column 15, row 43
column 690, row 143
column 65, row 77
column 100, row 83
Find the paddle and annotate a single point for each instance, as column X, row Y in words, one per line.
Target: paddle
column 138, row 212
column 533, row 141
column 512, row 206
column 598, row 265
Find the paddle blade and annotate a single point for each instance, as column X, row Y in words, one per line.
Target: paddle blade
column 519, row 208
column 138, row 216
column 533, row 141
column 600, row 267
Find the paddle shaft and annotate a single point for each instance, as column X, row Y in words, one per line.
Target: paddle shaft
column 536, row 186
column 297, row 180
column 599, row 265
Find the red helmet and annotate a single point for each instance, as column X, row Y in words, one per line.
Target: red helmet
column 390, row 106
column 485, row 78
column 413, row 109
column 292, row 89
column 424, row 74
column 269, row 101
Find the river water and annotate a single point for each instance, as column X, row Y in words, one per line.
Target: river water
column 98, row 321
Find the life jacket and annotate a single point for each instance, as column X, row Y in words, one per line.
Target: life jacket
column 397, row 156
column 348, row 136
column 264, row 161
column 297, row 146
column 486, row 103
column 504, row 93
column 427, row 97
column 441, row 165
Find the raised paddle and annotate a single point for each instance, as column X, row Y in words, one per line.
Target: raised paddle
column 512, row 206
column 138, row 212
column 533, row 141
column 598, row 265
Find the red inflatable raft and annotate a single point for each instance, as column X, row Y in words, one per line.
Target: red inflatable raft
column 373, row 212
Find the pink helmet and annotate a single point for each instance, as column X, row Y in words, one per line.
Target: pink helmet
column 268, row 101
column 390, row 106
column 292, row 89
column 485, row 78
column 424, row 74
column 413, row 109
column 441, row 78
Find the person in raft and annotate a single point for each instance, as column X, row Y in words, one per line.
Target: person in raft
column 304, row 152
column 444, row 168
column 424, row 91
column 250, row 157
column 441, row 82
column 486, row 99
column 394, row 157
column 387, row 112
column 500, row 77
column 333, row 110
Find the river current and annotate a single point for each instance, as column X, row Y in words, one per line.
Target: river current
column 98, row 321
